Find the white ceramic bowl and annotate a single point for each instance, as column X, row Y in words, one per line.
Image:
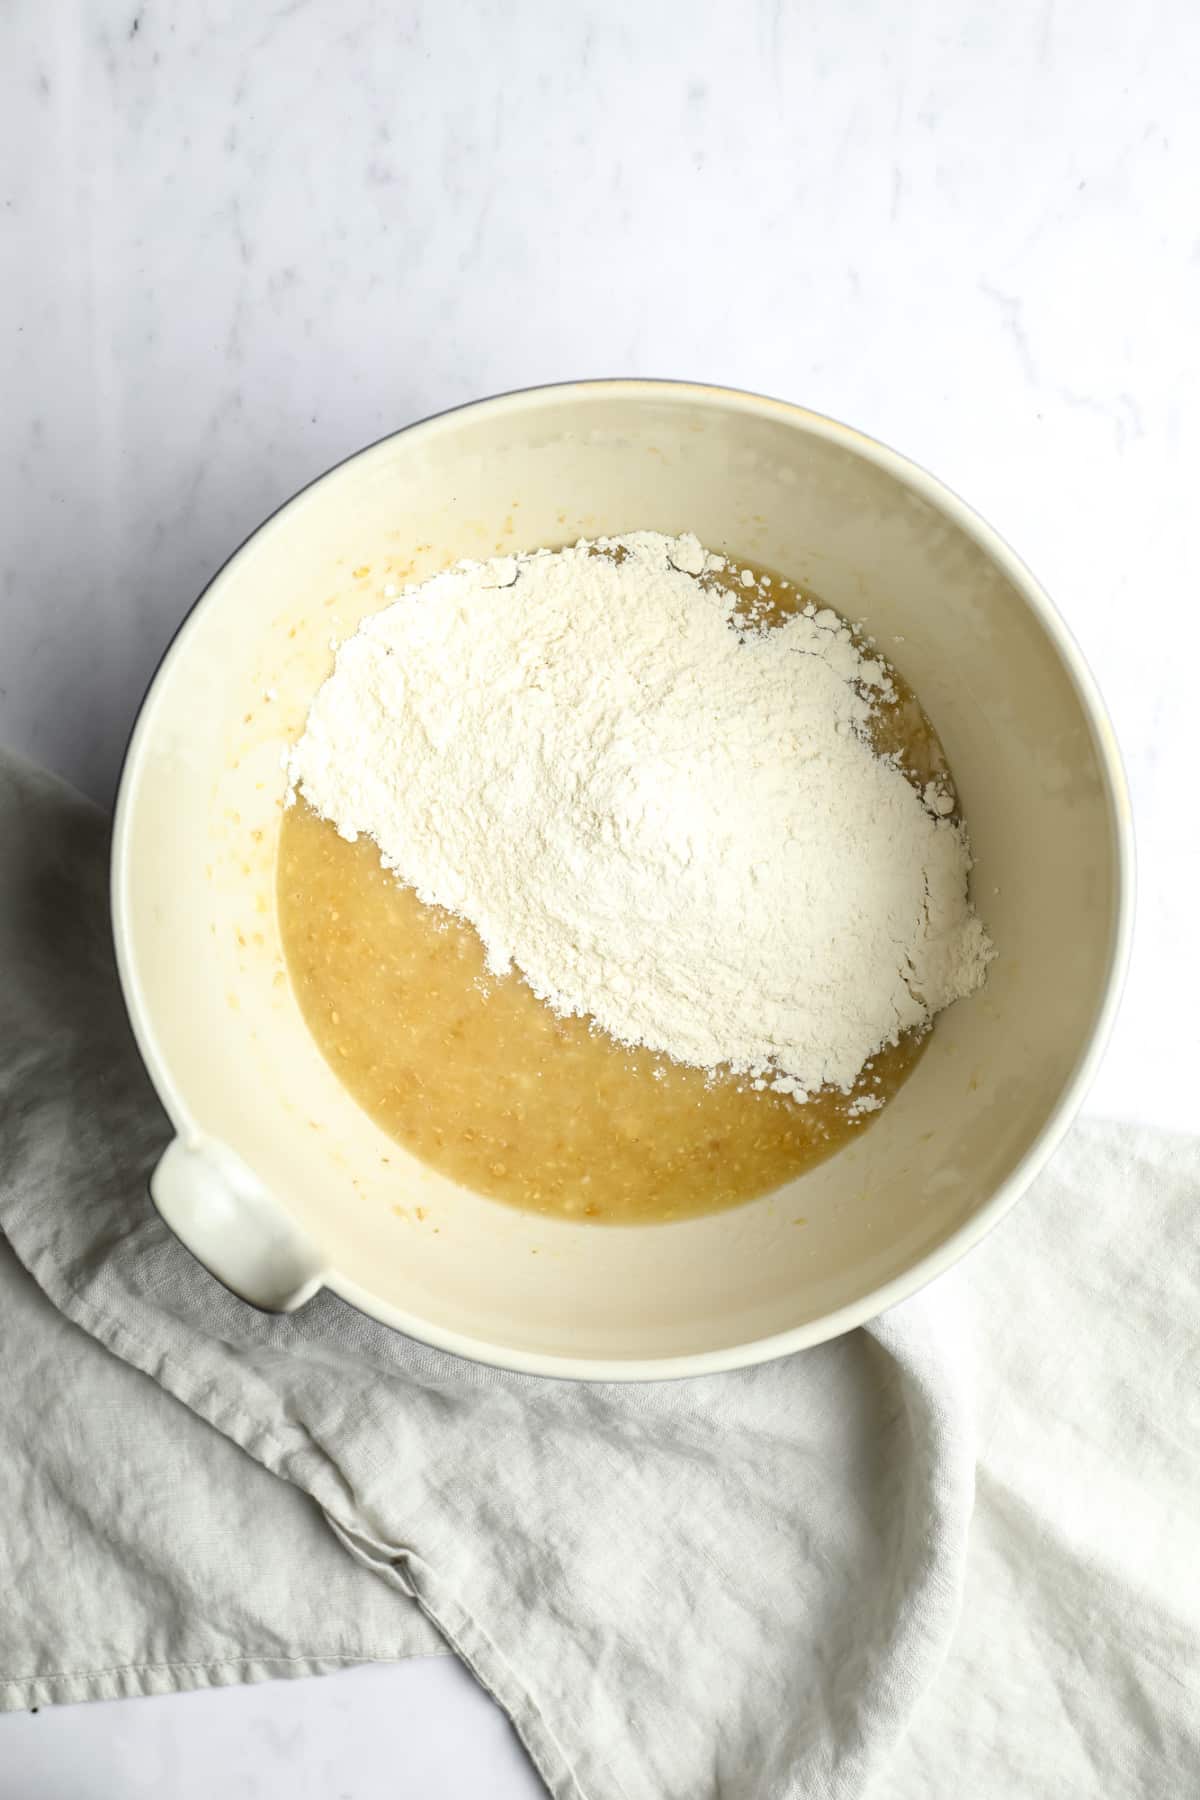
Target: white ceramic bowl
column 277, row 1180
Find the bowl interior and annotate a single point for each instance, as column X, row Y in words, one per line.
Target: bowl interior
column 201, row 806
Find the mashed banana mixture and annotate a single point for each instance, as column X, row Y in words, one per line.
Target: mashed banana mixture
column 621, row 883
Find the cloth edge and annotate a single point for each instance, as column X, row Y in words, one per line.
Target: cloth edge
column 137, row 1681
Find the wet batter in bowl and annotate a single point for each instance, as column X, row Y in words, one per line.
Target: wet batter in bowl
column 484, row 1082
column 479, row 1078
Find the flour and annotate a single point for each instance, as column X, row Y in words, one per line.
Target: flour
column 666, row 817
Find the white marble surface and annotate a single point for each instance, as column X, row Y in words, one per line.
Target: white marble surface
column 243, row 239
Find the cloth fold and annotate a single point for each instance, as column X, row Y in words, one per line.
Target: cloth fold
column 739, row 1586
column 142, row 1552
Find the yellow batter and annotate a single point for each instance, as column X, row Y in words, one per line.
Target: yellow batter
column 480, row 1080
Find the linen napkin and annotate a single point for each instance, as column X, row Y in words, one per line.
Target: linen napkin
column 736, row 1586
column 141, row 1552
column 1075, row 1669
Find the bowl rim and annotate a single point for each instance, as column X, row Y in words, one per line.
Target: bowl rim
column 1028, row 1166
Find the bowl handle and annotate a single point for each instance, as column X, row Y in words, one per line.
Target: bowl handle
column 221, row 1212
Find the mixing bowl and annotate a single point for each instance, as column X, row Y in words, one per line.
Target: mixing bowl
column 280, row 1184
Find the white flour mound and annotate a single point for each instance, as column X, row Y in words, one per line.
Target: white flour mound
column 666, row 820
